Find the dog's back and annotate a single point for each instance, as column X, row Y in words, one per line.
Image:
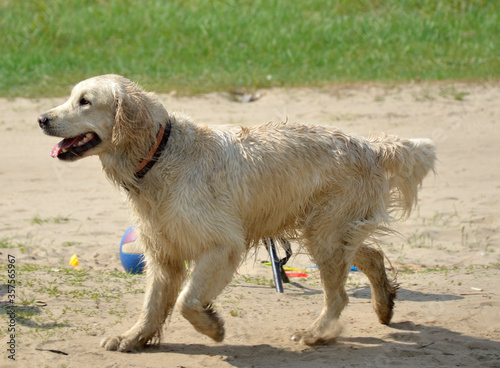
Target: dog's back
column 286, row 172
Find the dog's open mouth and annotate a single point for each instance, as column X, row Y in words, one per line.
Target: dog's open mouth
column 73, row 148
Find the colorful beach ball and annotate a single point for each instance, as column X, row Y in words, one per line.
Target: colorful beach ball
column 130, row 252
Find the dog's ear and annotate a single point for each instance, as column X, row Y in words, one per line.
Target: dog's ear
column 132, row 117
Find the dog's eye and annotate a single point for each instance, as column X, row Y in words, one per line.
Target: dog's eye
column 84, row 101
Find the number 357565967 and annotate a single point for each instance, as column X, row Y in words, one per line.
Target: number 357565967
column 11, row 283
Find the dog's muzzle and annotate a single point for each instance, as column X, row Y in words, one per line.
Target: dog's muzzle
column 43, row 121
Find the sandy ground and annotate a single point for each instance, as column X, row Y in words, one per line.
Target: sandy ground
column 448, row 252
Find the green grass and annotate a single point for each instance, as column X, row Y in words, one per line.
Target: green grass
column 66, row 293
column 37, row 220
column 205, row 45
column 9, row 243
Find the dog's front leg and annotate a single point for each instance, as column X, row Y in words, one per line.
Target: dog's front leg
column 164, row 279
column 214, row 270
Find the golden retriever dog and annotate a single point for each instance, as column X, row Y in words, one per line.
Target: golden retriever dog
column 207, row 195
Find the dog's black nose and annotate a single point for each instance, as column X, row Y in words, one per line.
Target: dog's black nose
column 43, row 120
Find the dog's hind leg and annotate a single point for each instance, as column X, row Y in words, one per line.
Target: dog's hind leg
column 371, row 262
column 334, row 268
column 333, row 248
column 213, row 271
column 164, row 280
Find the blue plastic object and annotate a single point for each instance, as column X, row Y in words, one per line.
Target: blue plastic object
column 131, row 262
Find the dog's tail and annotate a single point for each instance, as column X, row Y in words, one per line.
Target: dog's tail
column 406, row 162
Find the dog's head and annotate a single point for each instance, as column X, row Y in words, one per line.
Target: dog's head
column 101, row 114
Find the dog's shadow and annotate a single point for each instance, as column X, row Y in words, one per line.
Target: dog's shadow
column 365, row 293
column 407, row 343
column 405, row 295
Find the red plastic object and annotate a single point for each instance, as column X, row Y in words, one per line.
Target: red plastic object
column 296, row 274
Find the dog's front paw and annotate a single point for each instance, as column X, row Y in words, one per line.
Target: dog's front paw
column 111, row 343
column 307, row 338
column 315, row 336
column 121, row 343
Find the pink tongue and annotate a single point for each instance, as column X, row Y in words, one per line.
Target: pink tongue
column 64, row 144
